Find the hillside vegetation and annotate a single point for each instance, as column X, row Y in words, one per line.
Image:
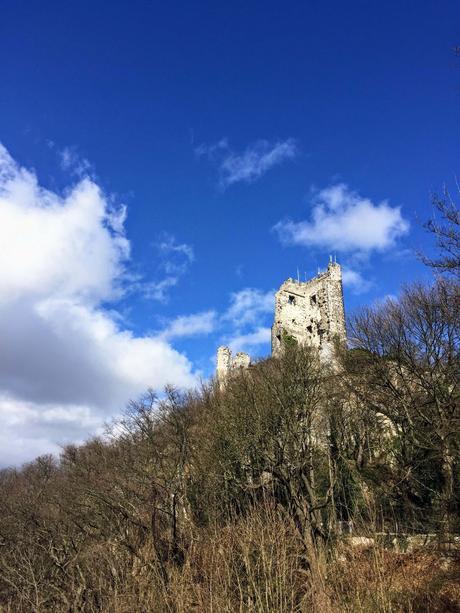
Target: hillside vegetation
column 298, row 487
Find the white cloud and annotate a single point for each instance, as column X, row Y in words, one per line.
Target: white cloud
column 245, row 319
column 355, row 281
column 53, row 245
column 62, row 257
column 251, row 340
column 30, row 429
column 248, row 305
column 249, row 165
column 191, row 325
column 240, row 325
column 342, row 220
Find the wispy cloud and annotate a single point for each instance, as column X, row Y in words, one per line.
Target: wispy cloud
column 73, row 162
column 244, row 342
column 214, row 151
column 342, row 220
column 174, row 261
column 169, row 247
column 158, row 290
column 248, row 305
column 354, row 280
column 240, row 325
column 247, row 318
column 250, row 164
column 190, row 325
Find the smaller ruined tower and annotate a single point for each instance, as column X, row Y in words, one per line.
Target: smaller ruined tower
column 310, row 312
column 226, row 363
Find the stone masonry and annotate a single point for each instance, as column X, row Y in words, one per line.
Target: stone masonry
column 227, row 363
column 310, row 312
column 307, row 312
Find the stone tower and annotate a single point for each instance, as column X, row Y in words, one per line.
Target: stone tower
column 310, row 312
column 227, row 363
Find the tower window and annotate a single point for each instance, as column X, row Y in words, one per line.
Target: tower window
column 310, row 329
column 291, row 299
column 313, row 300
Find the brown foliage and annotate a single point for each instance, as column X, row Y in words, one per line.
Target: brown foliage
column 236, row 499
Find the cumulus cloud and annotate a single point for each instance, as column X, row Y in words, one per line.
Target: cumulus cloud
column 66, row 363
column 31, row 429
column 342, row 220
column 249, row 165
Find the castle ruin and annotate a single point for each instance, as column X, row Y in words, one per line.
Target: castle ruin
column 306, row 312
column 310, row 312
column 227, row 363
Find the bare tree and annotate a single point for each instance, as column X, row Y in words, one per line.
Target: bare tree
column 446, row 231
column 410, row 375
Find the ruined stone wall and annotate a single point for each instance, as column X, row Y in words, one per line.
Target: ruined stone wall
column 227, row 363
column 310, row 312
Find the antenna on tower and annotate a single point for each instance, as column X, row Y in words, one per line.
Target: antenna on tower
column 330, row 259
column 298, row 276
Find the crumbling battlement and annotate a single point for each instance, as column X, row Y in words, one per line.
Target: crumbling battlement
column 310, row 312
column 306, row 312
column 227, row 363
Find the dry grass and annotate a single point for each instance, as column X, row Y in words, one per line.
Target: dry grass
column 376, row 579
column 253, row 564
column 258, row 564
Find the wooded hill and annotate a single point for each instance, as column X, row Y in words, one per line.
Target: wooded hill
column 297, row 487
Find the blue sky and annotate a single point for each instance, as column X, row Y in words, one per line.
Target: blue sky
column 166, row 166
